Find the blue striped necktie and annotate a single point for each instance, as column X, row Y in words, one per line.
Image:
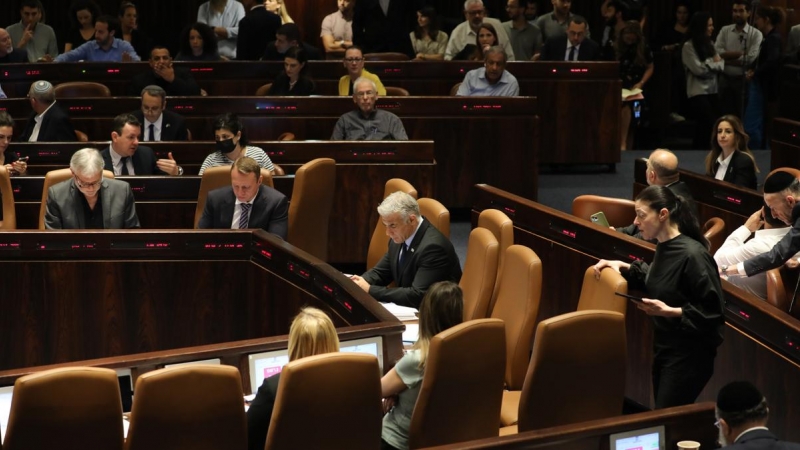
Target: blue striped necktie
column 245, row 217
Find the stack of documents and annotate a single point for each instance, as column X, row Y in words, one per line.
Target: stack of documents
column 403, row 313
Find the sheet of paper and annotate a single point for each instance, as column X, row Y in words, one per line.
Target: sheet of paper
column 412, row 333
column 401, row 312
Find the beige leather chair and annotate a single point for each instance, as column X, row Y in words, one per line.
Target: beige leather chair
column 262, row 91
column 480, row 273
column 310, row 208
column 386, row 56
column 517, row 305
column 67, row 408
column 776, row 290
column 577, row 371
column 454, row 89
column 81, row 136
column 502, row 228
column 392, row 91
column 9, row 221
column 198, row 407
column 619, row 211
column 189, row 135
column 81, row 89
column 330, row 401
column 714, row 231
column 459, row 399
column 601, row 294
column 437, row 214
column 379, row 242
column 287, row 136
column 55, row 177
column 217, row 177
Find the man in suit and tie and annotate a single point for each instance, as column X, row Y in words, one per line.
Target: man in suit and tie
column 418, row 256
column 572, row 46
column 48, row 122
column 158, row 123
column 742, row 415
column 89, row 201
column 246, row 203
column 124, row 156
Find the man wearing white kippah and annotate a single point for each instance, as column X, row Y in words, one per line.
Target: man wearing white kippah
column 48, row 122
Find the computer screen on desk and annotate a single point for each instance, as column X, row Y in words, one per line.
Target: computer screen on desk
column 5, row 409
column 267, row 364
column 644, row 439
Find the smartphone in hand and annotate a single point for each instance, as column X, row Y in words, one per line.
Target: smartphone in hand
column 600, row 219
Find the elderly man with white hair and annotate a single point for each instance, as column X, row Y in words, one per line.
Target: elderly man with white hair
column 467, row 31
column 368, row 123
column 89, row 201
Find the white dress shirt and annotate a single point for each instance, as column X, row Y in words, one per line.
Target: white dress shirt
column 723, row 166
column 156, row 128
column 36, row 128
column 116, row 162
column 237, row 212
column 735, row 250
column 569, row 48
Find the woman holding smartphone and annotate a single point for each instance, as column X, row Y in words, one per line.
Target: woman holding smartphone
column 10, row 160
column 685, row 296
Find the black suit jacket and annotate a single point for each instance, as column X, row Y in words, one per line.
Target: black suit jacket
column 432, row 258
column 173, row 126
column 64, row 208
column 144, row 161
column 375, row 31
column 259, row 415
column 741, row 171
column 183, row 84
column 255, row 30
column 761, row 440
column 555, row 49
column 270, row 211
column 56, row 127
column 781, row 252
column 19, row 55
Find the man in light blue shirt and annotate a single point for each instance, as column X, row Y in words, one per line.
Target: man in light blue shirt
column 492, row 80
column 104, row 47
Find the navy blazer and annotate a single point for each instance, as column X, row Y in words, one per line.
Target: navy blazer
column 761, row 440
column 555, row 49
column 144, row 161
column 173, row 126
column 432, row 259
column 741, row 171
column 270, row 211
column 56, row 127
column 64, row 211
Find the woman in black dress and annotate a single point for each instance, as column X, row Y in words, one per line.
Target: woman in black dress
column 293, row 81
column 686, row 298
column 198, row 43
column 82, row 15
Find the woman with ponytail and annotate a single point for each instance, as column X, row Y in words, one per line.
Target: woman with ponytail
column 685, row 296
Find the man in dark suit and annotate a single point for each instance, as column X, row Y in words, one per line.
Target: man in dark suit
column 124, row 156
column 573, row 46
column 378, row 30
column 177, row 81
column 418, row 256
column 158, row 124
column 288, row 36
column 255, row 30
column 48, row 122
column 87, row 200
column 246, row 203
column 742, row 415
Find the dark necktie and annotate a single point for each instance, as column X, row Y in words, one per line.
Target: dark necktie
column 124, row 170
column 151, row 136
column 245, row 217
column 403, row 254
column 571, row 55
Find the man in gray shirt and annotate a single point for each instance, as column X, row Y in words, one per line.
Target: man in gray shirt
column 38, row 39
column 368, row 123
column 526, row 39
column 554, row 24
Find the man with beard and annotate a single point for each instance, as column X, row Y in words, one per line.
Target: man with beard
column 526, row 39
column 738, row 44
column 7, row 53
column 615, row 13
column 104, row 47
column 742, row 415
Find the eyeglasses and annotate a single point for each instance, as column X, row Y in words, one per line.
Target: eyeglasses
column 82, row 185
column 353, row 60
column 365, row 94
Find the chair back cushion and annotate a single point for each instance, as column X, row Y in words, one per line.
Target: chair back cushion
column 379, row 241
column 310, row 208
column 459, row 399
column 714, row 231
column 54, row 177
column 81, row 89
column 263, row 90
column 776, row 290
column 601, row 294
column 196, row 406
column 502, row 228
column 215, row 178
column 480, row 273
column 577, row 371
column 386, row 56
column 330, row 401
column 392, row 91
column 437, row 214
column 9, row 221
column 618, row 211
column 67, row 408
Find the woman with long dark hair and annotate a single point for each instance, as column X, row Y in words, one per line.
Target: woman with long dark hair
column 764, row 80
column 293, row 80
column 198, row 43
column 685, row 296
column 82, row 15
column 702, row 64
column 485, row 39
column 428, row 40
column 635, row 68
column 730, row 159
column 129, row 25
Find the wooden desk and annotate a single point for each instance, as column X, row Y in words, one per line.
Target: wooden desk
column 768, row 339
column 480, row 139
column 362, row 169
column 785, row 143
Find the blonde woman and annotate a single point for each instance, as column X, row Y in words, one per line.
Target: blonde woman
column 312, row 333
column 279, row 7
column 442, row 308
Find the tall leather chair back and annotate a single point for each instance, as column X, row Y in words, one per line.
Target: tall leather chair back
column 480, row 273
column 502, row 228
column 215, row 178
column 618, row 211
column 459, row 399
column 437, row 214
column 379, row 242
column 392, row 91
column 55, row 177
column 601, row 294
column 263, row 90
column 74, row 89
column 330, row 401
column 196, row 406
column 9, row 221
column 67, row 408
column 714, row 231
column 311, row 205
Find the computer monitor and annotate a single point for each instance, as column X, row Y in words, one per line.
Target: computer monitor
column 5, row 409
column 643, row 439
column 267, row 364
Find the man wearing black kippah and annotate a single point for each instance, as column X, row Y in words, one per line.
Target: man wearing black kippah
column 782, row 195
column 742, row 415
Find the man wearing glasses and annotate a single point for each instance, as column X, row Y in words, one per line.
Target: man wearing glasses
column 368, row 123
column 354, row 63
column 158, row 124
column 466, row 32
column 89, row 201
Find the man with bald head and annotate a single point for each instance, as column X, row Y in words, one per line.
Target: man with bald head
column 48, row 122
column 662, row 170
column 7, row 52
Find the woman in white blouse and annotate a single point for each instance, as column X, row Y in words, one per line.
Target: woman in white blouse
column 428, row 41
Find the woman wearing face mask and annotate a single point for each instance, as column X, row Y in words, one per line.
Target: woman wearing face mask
column 293, row 80
column 231, row 144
